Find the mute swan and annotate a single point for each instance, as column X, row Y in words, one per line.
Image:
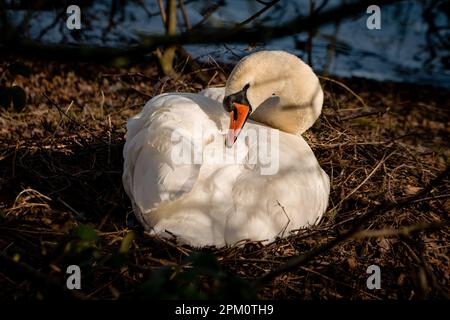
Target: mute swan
column 217, row 202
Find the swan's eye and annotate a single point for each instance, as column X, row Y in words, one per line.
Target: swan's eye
column 228, row 104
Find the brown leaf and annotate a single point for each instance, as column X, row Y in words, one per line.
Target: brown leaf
column 410, row 190
column 352, row 263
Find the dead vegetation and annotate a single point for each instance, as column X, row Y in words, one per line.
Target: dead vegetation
column 62, row 202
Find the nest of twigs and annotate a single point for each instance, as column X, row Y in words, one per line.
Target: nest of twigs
column 62, row 201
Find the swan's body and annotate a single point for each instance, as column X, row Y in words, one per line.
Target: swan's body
column 212, row 202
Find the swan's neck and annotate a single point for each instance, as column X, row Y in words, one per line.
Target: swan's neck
column 294, row 107
column 278, row 113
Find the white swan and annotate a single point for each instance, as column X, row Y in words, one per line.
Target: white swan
column 217, row 202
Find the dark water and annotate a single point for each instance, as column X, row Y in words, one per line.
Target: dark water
column 413, row 44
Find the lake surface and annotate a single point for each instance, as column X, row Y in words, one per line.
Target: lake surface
column 413, row 44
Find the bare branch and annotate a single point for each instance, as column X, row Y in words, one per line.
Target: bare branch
column 162, row 10
column 23, row 270
column 171, row 11
column 208, row 14
column 404, row 231
column 166, row 58
column 257, row 14
column 185, row 16
column 310, row 255
column 17, row 44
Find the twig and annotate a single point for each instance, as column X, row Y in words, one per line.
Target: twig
column 184, row 251
column 90, row 295
column 440, row 196
column 340, row 282
column 384, row 207
column 208, row 14
column 23, row 269
column 185, row 16
column 18, row 44
column 73, row 120
column 346, row 88
column 398, row 232
column 58, row 18
column 162, row 11
column 427, row 270
column 361, row 115
column 167, row 56
column 362, row 183
column 79, row 215
column 257, row 14
column 288, row 219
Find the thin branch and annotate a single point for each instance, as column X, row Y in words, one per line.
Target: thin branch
column 171, row 23
column 346, row 88
column 321, row 6
column 25, row 47
column 184, row 13
column 404, row 231
column 208, row 14
column 263, row 2
column 61, row 111
column 167, row 56
column 428, row 271
column 25, row 271
column 57, row 19
column 162, row 11
column 363, row 182
column 382, row 208
column 257, row 14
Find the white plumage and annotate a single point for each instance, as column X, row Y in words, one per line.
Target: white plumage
column 216, row 203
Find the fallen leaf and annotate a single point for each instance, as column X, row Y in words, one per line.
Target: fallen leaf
column 410, row 190
column 352, row 263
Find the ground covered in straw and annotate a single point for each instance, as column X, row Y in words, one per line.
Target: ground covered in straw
column 62, row 201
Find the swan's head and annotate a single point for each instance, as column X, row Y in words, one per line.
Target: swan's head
column 240, row 108
column 275, row 88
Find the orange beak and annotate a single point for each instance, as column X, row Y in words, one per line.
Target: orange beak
column 238, row 117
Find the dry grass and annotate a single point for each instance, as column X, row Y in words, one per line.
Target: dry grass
column 61, row 162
